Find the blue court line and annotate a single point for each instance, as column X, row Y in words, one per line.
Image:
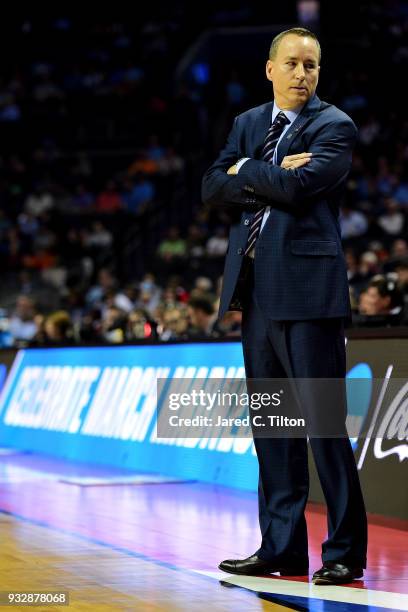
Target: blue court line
column 301, row 603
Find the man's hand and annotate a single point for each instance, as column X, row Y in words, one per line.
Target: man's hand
column 232, row 169
column 295, row 161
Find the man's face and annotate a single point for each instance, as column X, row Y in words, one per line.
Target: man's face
column 295, row 71
column 175, row 321
column 24, row 308
column 375, row 303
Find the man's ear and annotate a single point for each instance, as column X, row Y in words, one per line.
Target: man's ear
column 269, row 69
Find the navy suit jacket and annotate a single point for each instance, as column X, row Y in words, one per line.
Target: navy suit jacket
column 300, row 271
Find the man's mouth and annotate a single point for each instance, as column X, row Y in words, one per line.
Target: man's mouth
column 300, row 88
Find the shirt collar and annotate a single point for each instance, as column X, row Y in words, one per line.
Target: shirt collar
column 290, row 114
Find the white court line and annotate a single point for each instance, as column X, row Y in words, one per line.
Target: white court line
column 363, row 597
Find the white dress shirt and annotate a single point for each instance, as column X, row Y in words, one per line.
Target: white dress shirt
column 291, row 115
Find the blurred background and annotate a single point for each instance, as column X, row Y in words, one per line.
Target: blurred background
column 106, row 127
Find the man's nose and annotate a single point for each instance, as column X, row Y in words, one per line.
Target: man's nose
column 300, row 72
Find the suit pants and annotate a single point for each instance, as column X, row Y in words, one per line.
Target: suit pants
column 302, row 349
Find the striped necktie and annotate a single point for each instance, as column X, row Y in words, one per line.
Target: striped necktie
column 271, row 140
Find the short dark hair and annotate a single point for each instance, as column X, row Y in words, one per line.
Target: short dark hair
column 387, row 288
column 298, row 32
column 203, row 304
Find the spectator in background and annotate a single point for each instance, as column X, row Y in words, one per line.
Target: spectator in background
column 116, row 299
column 40, row 337
column 401, row 191
column 368, row 265
column 175, row 323
column 98, row 238
column 149, row 294
column 142, row 165
column 45, row 89
column 173, row 248
column 90, row 327
column 382, row 298
column 170, row 162
column 106, row 282
column 58, row 328
column 114, row 326
column 202, row 317
column 195, row 242
column 5, row 224
column 398, row 253
column 401, row 271
column 10, row 250
column 9, row 109
column 109, row 200
column 369, row 131
column 82, row 200
column 195, row 248
column 399, row 248
column 39, row 202
column 154, row 151
column 41, row 259
column 217, row 245
column 22, row 321
column 357, row 280
column 202, row 288
column 44, row 239
column 138, row 194
column 140, row 326
column 392, row 220
column 28, row 226
column 385, row 179
column 352, row 223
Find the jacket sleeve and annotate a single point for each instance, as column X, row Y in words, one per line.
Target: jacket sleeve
column 221, row 189
column 289, row 189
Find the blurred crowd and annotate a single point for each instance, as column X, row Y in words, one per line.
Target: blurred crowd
column 102, row 234
column 108, row 314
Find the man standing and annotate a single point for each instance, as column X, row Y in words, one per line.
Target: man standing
column 286, row 271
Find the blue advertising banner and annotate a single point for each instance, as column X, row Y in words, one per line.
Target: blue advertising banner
column 99, row 405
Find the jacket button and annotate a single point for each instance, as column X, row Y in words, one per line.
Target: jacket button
column 240, row 251
column 246, row 222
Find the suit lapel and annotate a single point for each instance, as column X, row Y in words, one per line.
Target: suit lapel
column 262, row 124
column 306, row 115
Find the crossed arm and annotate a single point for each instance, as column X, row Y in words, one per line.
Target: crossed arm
column 300, row 177
column 289, row 162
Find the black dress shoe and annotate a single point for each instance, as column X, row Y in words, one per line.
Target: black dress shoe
column 336, row 573
column 254, row 566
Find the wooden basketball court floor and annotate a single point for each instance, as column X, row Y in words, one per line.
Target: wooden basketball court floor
column 156, row 547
